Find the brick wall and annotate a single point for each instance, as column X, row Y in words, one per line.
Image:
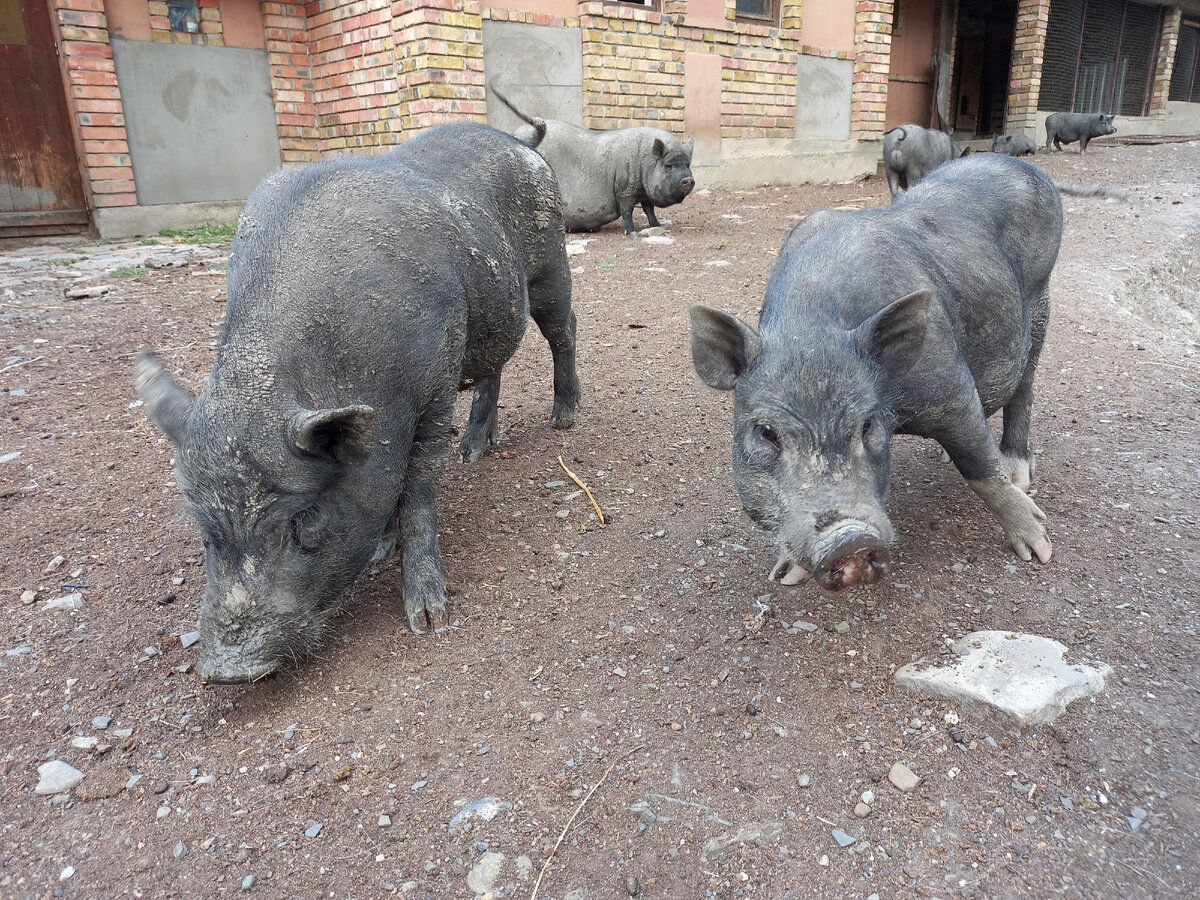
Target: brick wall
column 95, row 102
column 872, row 60
column 286, row 28
column 439, row 62
column 1025, row 77
column 210, row 24
column 1166, row 60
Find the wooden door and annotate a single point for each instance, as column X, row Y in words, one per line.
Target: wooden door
column 910, row 76
column 40, row 186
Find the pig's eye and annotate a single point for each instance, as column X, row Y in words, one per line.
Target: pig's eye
column 306, row 530
column 768, row 434
column 868, row 427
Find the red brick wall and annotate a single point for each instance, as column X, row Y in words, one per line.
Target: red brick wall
column 872, row 59
column 286, row 30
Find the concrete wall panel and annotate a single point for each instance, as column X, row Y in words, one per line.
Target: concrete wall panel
column 823, row 98
column 201, row 121
column 539, row 68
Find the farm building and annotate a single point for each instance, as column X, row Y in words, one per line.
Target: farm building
column 131, row 115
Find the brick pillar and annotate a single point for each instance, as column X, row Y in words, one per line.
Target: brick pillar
column 1166, row 61
column 1025, row 78
column 439, row 62
column 286, row 28
column 872, row 59
column 95, row 102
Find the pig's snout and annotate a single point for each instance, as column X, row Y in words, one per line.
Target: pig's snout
column 856, row 557
column 686, row 185
column 232, row 669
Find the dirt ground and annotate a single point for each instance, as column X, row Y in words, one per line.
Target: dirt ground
column 642, row 681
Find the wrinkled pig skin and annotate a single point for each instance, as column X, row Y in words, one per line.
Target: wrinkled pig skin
column 603, row 175
column 1067, row 128
column 363, row 293
column 923, row 317
column 910, row 152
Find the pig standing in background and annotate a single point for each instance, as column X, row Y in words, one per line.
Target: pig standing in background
column 1066, row 127
column 1013, row 144
column 910, row 152
column 603, row 175
column 923, row 317
column 364, row 292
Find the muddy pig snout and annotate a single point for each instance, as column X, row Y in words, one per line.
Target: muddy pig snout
column 228, row 668
column 687, row 184
column 855, row 557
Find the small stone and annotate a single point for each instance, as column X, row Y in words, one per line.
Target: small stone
column 134, row 781
column 619, row 672
column 313, row 830
column 68, row 603
column 537, row 717
column 385, row 821
column 823, row 861
column 177, row 581
column 868, row 797
column 417, row 785
column 1067, row 802
column 28, row 597
column 903, row 778
column 84, row 743
column 843, row 839
column 275, row 774
column 631, row 885
column 161, row 787
column 247, row 882
column 990, row 741
column 56, row 777
column 18, row 651
column 562, row 513
column 162, row 812
column 188, row 638
column 180, row 851
column 66, row 873
column 861, row 810
column 842, row 627
column 803, row 780
column 804, row 626
column 206, row 779
column 54, row 565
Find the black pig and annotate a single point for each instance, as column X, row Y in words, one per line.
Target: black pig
column 923, row 317
column 363, row 293
column 1067, row 128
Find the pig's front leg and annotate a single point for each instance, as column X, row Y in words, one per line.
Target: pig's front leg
column 648, row 209
column 481, row 425
column 976, row 456
column 424, row 581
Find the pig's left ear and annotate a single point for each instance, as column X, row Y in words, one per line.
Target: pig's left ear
column 344, row 435
column 658, row 148
column 894, row 336
column 723, row 346
column 689, row 147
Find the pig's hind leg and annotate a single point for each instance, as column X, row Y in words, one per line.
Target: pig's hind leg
column 480, row 432
column 423, row 579
column 1015, row 448
column 651, row 218
column 550, row 308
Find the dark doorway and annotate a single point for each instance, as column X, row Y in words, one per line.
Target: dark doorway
column 984, row 61
column 40, row 187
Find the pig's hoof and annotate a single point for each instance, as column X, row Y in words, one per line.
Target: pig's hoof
column 430, row 617
column 1019, row 471
column 562, row 419
column 385, row 548
column 788, row 572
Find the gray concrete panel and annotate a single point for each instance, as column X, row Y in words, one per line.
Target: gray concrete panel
column 823, row 98
column 539, row 68
column 201, row 120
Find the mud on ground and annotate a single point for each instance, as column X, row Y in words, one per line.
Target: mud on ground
column 650, row 657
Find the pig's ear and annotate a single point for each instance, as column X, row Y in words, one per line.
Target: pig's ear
column 345, row 434
column 723, row 346
column 168, row 404
column 690, row 146
column 894, row 336
column 658, row 149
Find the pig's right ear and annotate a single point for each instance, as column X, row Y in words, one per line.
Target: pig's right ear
column 895, row 335
column 168, row 404
column 723, row 346
column 345, row 435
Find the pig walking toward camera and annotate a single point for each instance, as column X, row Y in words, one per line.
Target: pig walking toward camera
column 603, row 175
column 923, row 317
column 364, row 292
column 1067, row 128
column 910, row 152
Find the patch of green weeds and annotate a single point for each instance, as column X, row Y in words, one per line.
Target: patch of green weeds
column 63, row 261
column 129, row 271
column 147, row 242
column 200, row 234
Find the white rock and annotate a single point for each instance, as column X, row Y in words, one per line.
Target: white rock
column 658, row 239
column 483, row 875
column 903, row 778
column 1019, row 678
column 57, row 777
column 70, row 603
column 84, row 743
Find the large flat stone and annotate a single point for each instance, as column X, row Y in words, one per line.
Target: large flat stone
column 1019, row 679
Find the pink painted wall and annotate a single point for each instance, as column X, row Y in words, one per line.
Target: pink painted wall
column 702, row 106
column 560, row 8
column 242, row 25
column 913, row 35
column 129, row 19
column 705, row 14
column 828, row 24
